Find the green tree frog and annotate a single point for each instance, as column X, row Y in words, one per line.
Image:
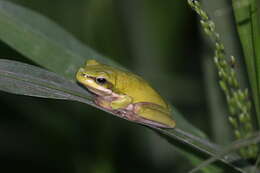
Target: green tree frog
column 125, row 93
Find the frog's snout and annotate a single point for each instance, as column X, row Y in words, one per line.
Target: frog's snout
column 80, row 74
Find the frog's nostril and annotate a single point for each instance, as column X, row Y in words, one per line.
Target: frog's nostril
column 84, row 75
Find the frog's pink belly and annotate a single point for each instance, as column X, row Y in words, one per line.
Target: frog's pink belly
column 130, row 112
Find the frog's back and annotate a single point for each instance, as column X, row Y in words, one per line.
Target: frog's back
column 139, row 89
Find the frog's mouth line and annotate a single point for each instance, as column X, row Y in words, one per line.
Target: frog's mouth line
column 95, row 91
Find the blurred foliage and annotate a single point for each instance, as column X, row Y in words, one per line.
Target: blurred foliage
column 143, row 35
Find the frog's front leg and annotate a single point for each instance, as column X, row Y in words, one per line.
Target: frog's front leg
column 121, row 102
column 114, row 102
column 154, row 115
column 121, row 105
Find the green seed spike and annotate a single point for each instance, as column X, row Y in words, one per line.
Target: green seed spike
column 238, row 101
column 233, row 121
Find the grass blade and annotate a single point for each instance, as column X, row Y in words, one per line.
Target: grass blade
column 43, row 41
column 246, row 15
column 254, row 139
column 24, row 79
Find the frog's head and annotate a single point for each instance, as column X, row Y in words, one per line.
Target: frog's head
column 98, row 78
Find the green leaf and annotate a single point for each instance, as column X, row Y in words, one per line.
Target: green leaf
column 238, row 144
column 43, row 41
column 24, row 79
column 247, row 22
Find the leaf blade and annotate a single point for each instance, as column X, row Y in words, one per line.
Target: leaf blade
column 42, row 40
column 248, row 29
column 34, row 81
column 24, row 79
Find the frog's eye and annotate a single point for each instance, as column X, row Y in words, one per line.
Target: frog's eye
column 101, row 80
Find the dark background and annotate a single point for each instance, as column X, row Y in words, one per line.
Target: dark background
column 160, row 40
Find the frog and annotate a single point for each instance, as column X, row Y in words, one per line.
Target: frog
column 125, row 94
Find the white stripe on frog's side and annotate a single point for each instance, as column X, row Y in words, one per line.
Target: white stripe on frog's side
column 99, row 90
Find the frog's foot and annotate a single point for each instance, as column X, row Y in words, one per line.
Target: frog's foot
column 127, row 114
column 131, row 116
column 153, row 115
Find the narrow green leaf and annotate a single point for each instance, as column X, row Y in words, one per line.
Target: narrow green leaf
column 19, row 78
column 247, row 22
column 24, row 79
column 43, row 41
column 254, row 139
column 255, row 17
